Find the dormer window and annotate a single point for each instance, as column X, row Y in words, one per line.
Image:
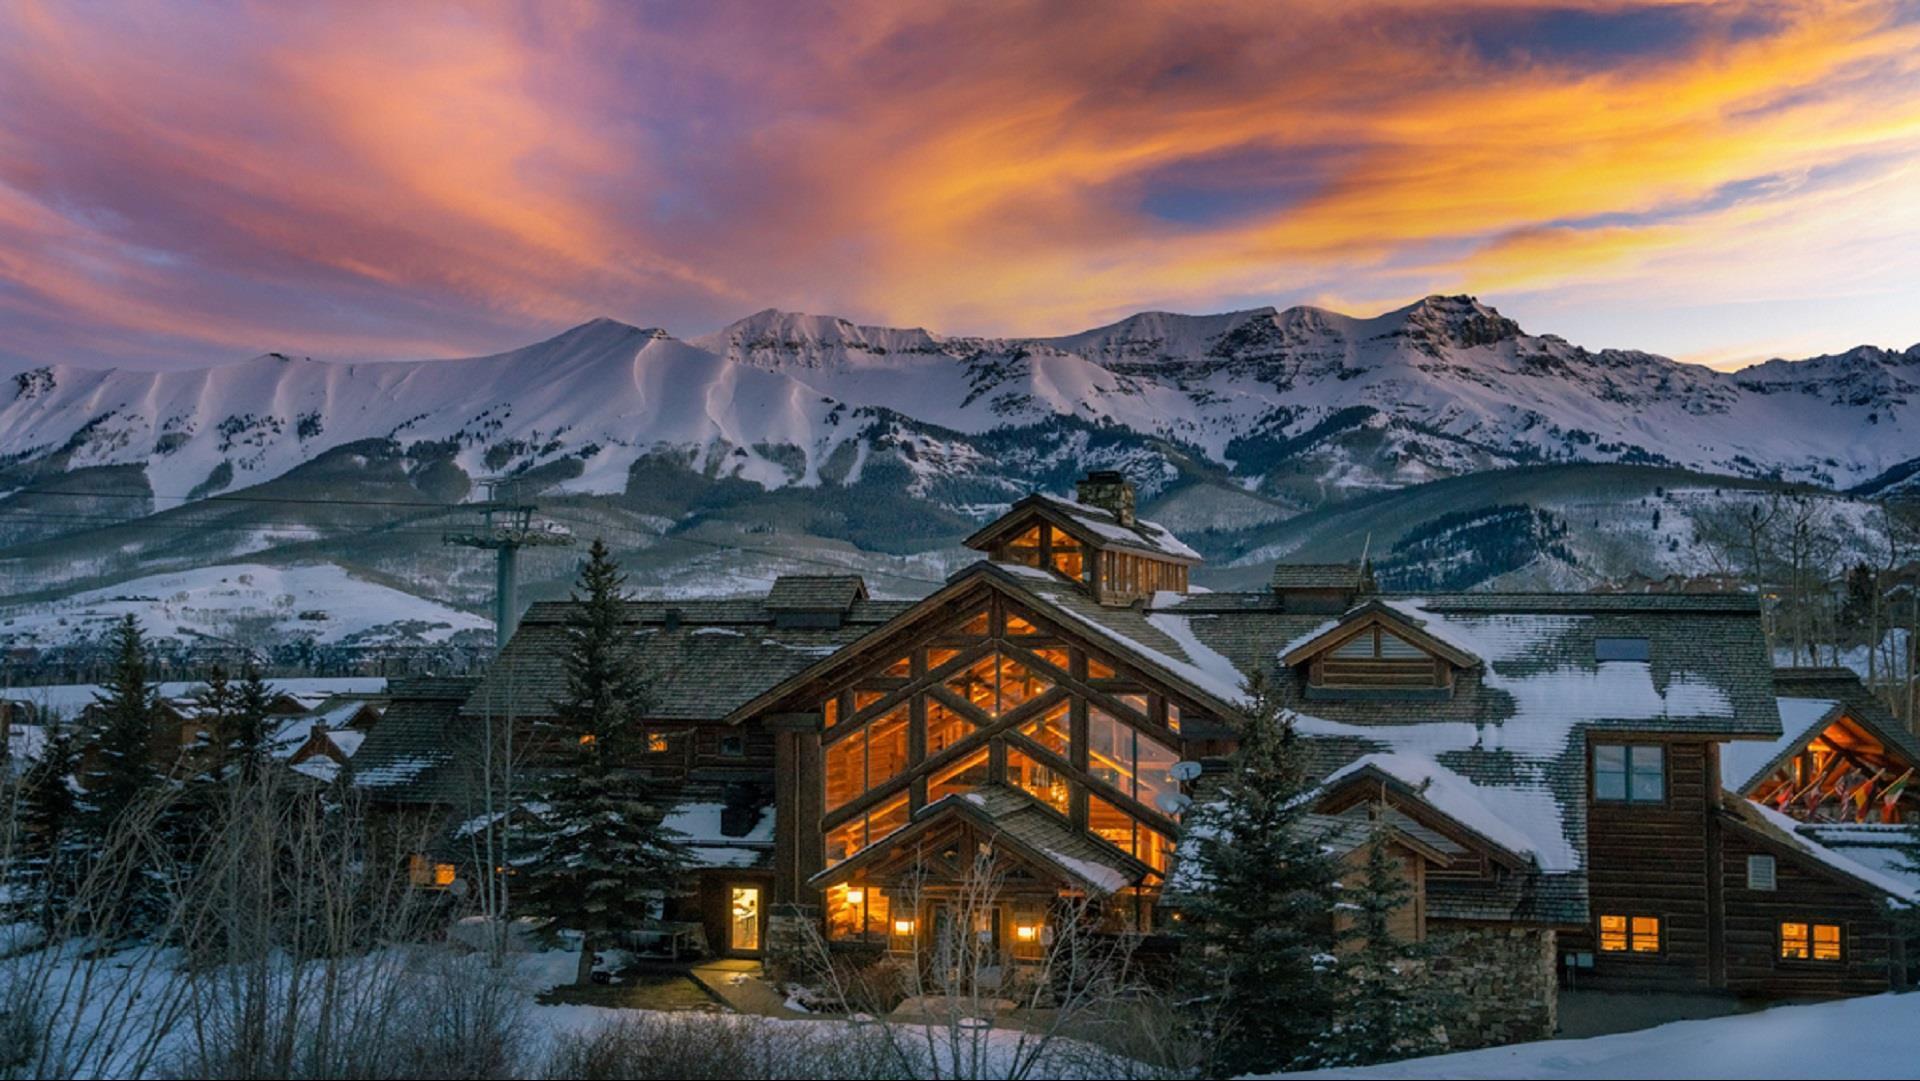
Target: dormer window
column 1069, row 558
column 1375, row 650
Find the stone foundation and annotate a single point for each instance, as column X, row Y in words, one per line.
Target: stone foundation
column 792, row 940
column 1505, row 978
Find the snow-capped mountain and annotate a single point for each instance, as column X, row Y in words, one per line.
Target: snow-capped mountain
column 1442, row 387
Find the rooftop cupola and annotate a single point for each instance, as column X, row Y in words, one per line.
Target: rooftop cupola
column 1110, row 491
column 1093, row 541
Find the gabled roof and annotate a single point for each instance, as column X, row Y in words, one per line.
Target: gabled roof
column 1765, row 822
column 1374, row 613
column 1160, row 644
column 1811, row 700
column 1489, row 817
column 1035, row 832
column 410, row 756
column 1092, row 525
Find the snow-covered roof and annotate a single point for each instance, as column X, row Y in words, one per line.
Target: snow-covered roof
column 1525, row 821
column 1741, row 764
column 1807, row 839
column 1096, row 524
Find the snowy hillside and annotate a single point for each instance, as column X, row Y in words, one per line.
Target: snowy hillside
column 243, row 602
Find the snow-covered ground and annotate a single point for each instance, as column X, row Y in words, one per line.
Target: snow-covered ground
column 1875, row 1037
column 67, row 699
column 251, row 601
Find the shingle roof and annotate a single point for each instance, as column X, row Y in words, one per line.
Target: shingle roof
column 1317, row 576
column 710, row 658
column 1095, row 524
column 410, row 756
column 815, row 592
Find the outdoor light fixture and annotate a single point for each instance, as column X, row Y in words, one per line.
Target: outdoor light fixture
column 1026, row 932
column 903, row 927
column 855, row 896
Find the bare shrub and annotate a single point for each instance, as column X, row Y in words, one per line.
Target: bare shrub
column 704, row 1046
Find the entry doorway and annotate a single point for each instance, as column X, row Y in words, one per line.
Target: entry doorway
column 743, row 919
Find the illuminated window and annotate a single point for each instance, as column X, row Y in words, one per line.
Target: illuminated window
column 963, row 776
column 1039, row 781
column 939, row 655
column 866, row 829
column 1020, row 627
column 945, row 727
column 1118, row 828
column 1629, row 934
column 899, row 669
column 867, row 758
column 743, row 924
column 856, row 911
column 423, row 871
column 1173, row 717
column 1052, row 730
column 976, row 626
column 1635, row 774
column 1025, row 547
column 1069, row 558
column 1056, row 657
column 587, row 739
column 656, row 742
column 1131, row 762
column 1809, row 941
column 1099, row 669
column 995, row 684
column 1030, row 932
column 863, row 699
column 830, row 711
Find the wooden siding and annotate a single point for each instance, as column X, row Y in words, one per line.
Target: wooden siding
column 1652, row 859
column 1804, row 891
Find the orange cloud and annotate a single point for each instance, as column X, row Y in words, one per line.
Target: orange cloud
column 187, row 182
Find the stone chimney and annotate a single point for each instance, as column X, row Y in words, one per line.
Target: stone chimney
column 1110, row 490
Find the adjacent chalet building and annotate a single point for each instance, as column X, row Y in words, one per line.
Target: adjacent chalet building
column 1567, row 775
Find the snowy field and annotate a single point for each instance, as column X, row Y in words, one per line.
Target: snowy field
column 1877, row 1037
column 248, row 601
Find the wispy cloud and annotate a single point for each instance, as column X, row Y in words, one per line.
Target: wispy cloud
column 188, row 183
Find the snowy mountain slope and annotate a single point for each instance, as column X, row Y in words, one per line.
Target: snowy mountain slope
column 1439, row 388
column 245, row 601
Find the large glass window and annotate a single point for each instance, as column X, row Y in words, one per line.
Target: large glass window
column 1131, row 762
column 855, row 910
column 1120, row 829
column 1039, row 781
column 1052, row 730
column 865, row 829
column 867, row 758
column 1025, row 547
column 1069, row 558
column 1629, row 774
column 963, row 776
column 995, row 684
column 945, row 727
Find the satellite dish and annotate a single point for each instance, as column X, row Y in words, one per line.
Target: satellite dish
column 1172, row 803
column 1186, row 771
column 458, row 887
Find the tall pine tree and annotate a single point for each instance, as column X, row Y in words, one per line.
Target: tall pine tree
column 1387, row 1005
column 50, row 853
column 247, row 738
column 120, row 768
column 600, row 850
column 1258, row 931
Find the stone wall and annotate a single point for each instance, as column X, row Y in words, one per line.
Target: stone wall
column 1505, row 980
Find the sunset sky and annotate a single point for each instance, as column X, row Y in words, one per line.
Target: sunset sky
column 184, row 184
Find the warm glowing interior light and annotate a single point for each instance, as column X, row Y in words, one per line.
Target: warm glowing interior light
column 854, row 897
column 903, row 927
column 1026, row 933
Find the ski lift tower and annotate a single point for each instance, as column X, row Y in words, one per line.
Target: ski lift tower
column 506, row 527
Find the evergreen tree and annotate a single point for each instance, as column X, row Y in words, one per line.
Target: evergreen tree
column 247, row 737
column 120, row 770
column 1388, row 1006
column 1259, row 928
column 600, row 848
column 50, row 852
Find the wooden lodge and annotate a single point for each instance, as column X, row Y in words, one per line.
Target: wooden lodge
column 1586, row 789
